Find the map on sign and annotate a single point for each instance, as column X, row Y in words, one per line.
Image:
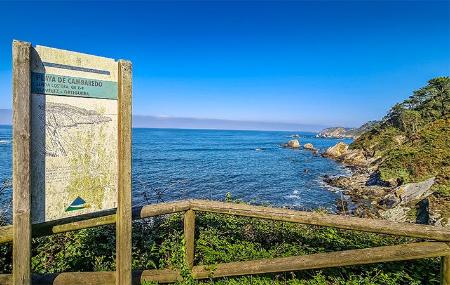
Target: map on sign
column 73, row 133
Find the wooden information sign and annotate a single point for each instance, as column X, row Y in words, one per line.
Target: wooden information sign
column 72, row 145
column 73, row 133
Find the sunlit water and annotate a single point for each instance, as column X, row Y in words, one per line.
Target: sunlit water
column 171, row 164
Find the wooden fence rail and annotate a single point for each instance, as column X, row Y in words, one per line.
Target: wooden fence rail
column 437, row 246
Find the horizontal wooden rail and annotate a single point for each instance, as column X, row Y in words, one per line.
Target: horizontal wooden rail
column 98, row 278
column 324, row 260
column 283, row 264
column 327, row 220
column 278, row 214
column 96, row 219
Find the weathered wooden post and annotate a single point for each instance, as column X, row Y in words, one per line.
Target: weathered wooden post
column 189, row 237
column 123, row 223
column 445, row 270
column 21, row 163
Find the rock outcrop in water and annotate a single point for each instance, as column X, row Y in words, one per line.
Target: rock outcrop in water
column 310, row 146
column 292, row 144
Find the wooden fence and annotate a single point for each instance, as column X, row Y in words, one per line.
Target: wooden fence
column 436, row 244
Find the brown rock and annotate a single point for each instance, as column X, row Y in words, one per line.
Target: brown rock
column 355, row 157
column 293, row 144
column 341, row 152
column 336, row 151
column 309, row 146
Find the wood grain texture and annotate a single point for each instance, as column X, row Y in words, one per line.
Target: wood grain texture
column 21, row 163
column 98, row 278
column 189, row 237
column 324, row 260
column 157, row 275
column 124, row 213
column 6, row 234
column 161, row 209
column 445, row 270
column 327, row 220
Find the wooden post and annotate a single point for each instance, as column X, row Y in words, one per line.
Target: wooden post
column 21, row 163
column 445, row 270
column 189, row 237
column 123, row 219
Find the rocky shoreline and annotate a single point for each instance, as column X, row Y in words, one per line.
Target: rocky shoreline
column 368, row 196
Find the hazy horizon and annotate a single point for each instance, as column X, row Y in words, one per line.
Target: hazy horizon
column 149, row 121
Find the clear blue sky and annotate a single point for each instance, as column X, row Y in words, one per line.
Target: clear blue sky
column 326, row 63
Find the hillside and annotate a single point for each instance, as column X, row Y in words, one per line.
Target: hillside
column 411, row 143
column 402, row 163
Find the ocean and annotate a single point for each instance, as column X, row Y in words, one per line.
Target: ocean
column 174, row 164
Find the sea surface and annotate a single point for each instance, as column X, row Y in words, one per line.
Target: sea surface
column 174, row 164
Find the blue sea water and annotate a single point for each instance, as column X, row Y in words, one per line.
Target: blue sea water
column 173, row 164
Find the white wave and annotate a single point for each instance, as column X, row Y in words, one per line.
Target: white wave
column 5, row 142
column 292, row 197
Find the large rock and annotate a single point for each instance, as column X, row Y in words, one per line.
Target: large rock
column 410, row 193
column 336, row 151
column 397, row 214
column 402, row 198
column 342, row 153
column 309, row 146
column 355, row 157
column 414, row 192
column 293, row 144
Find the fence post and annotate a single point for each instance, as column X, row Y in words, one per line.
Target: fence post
column 21, row 163
column 189, row 238
column 445, row 270
column 123, row 215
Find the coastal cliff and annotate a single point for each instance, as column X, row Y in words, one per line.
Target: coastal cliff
column 409, row 149
column 341, row 132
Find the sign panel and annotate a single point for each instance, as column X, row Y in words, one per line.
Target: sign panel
column 74, row 136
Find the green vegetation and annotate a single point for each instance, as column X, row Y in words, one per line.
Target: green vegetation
column 158, row 243
column 412, row 141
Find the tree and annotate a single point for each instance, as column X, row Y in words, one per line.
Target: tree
column 433, row 100
column 394, row 115
column 410, row 121
column 439, row 89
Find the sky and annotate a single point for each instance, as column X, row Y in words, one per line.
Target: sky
column 316, row 63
